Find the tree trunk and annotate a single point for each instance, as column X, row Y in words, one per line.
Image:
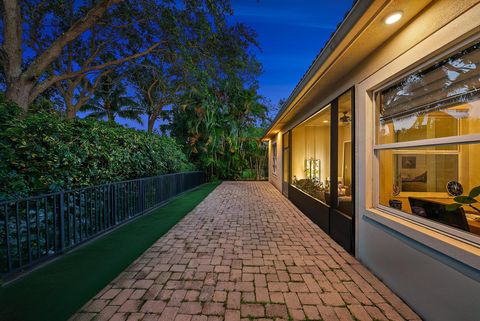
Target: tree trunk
column 150, row 124
column 108, row 109
column 19, row 93
column 71, row 113
column 69, row 106
column 21, row 83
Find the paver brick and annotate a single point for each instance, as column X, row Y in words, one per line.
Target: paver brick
column 278, row 286
column 252, row 310
column 359, row 312
column 292, row 301
column 130, row 306
column 190, row 308
column 232, row 315
column 168, row 314
column 332, row 299
column 213, row 309
column 311, row 312
column 276, row 310
column 245, row 252
column 309, row 298
column 233, row 300
column 153, row 306
column 261, row 295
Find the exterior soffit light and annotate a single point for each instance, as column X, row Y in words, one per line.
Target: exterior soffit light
column 393, row 17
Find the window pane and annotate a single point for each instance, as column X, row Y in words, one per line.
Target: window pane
column 311, row 156
column 441, row 101
column 345, row 179
column 420, row 181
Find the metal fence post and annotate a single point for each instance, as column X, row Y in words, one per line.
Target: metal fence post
column 62, row 222
column 113, row 214
column 142, row 195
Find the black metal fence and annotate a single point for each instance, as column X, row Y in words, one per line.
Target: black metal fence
column 35, row 229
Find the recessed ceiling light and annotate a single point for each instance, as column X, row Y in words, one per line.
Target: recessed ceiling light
column 394, row 17
column 325, row 121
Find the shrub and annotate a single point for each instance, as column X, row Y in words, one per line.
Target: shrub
column 45, row 153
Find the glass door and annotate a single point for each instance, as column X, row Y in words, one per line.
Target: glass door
column 342, row 212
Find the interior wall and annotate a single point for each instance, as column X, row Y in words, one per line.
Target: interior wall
column 298, row 152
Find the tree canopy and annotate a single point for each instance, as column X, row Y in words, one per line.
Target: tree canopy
column 182, row 64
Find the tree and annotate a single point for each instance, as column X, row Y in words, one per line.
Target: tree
column 217, row 125
column 255, row 151
column 25, row 80
column 41, row 29
column 111, row 100
column 103, row 41
column 156, row 83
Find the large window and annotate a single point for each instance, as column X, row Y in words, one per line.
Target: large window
column 311, row 156
column 427, row 141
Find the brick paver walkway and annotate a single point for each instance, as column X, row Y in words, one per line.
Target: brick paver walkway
column 245, row 253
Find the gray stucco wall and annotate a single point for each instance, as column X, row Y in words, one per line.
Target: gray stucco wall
column 437, row 287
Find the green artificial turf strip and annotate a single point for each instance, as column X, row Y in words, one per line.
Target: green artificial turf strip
column 57, row 290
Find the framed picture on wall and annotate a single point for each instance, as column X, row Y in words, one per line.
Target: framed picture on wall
column 409, row 162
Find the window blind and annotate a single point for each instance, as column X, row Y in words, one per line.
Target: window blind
column 449, row 82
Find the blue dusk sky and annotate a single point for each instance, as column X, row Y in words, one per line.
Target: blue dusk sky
column 290, row 35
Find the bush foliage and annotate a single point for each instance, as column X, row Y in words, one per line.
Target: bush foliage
column 43, row 152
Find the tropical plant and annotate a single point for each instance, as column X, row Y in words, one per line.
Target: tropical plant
column 111, row 100
column 219, row 127
column 466, row 200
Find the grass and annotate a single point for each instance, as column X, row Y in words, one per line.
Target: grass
column 57, row 290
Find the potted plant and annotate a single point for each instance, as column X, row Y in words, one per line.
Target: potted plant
column 465, row 200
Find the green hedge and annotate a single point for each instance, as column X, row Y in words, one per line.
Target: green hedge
column 45, row 153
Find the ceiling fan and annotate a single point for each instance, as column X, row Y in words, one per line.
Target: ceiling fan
column 345, row 118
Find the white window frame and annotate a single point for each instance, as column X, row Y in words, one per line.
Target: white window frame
column 460, row 140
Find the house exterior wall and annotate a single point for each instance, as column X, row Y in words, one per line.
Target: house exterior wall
column 438, row 277
column 436, row 274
